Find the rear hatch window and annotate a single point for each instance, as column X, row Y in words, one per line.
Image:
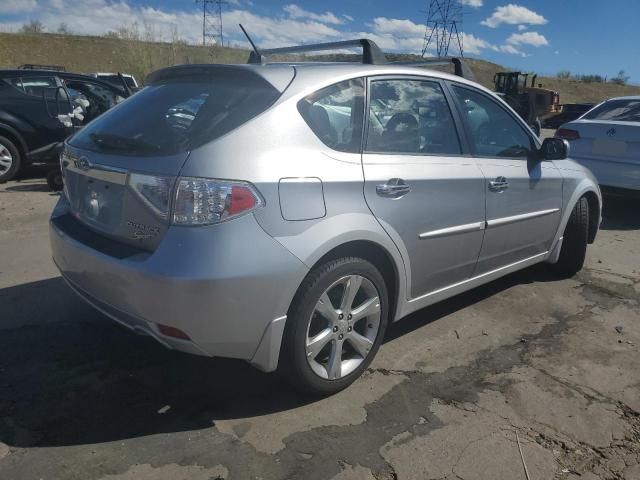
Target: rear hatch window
column 178, row 115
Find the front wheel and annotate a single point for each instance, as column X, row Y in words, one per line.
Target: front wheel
column 9, row 159
column 574, row 244
column 335, row 326
column 55, row 181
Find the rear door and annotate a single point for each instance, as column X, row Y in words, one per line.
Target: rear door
column 37, row 100
column 523, row 194
column 427, row 194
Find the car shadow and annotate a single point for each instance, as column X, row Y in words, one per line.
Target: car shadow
column 29, row 187
column 620, row 213
column 70, row 376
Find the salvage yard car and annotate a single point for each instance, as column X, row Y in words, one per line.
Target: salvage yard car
column 298, row 209
column 606, row 140
column 40, row 108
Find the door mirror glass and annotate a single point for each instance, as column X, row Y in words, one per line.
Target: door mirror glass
column 554, row 149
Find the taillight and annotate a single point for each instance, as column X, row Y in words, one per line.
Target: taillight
column 204, row 201
column 174, row 332
column 567, row 134
column 154, row 191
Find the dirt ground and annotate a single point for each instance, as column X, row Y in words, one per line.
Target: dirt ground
column 530, row 372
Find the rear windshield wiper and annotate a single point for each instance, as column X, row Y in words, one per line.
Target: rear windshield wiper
column 108, row 141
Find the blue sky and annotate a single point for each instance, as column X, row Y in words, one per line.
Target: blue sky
column 582, row 36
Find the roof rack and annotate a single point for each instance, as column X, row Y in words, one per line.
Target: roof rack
column 35, row 66
column 371, row 54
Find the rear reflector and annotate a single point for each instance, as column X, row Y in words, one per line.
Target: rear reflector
column 242, row 199
column 174, row 332
column 567, row 134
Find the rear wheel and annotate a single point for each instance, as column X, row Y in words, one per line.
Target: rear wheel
column 574, row 244
column 335, row 326
column 9, row 159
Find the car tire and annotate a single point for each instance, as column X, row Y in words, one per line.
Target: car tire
column 574, row 244
column 9, row 159
column 327, row 280
column 54, row 180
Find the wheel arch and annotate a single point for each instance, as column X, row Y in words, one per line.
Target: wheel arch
column 584, row 188
column 594, row 214
column 13, row 135
column 375, row 253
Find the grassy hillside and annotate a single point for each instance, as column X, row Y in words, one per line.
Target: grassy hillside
column 99, row 54
column 571, row 91
column 92, row 54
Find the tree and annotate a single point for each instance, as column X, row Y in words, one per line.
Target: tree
column 63, row 29
column 565, row 74
column 620, row 79
column 34, row 26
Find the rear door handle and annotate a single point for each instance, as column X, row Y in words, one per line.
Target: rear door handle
column 499, row 184
column 394, row 188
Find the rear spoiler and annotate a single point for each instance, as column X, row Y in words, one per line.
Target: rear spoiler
column 371, row 54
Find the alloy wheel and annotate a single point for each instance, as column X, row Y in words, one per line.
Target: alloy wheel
column 343, row 327
column 6, row 159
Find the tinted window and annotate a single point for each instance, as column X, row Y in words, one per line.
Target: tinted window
column 620, row 110
column 175, row 116
column 494, row 132
column 35, row 86
column 335, row 114
column 410, row 116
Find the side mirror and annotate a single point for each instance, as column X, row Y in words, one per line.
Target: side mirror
column 554, row 149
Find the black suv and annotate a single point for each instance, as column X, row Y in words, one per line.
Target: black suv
column 39, row 109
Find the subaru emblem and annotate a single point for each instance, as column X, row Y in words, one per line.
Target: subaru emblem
column 611, row 132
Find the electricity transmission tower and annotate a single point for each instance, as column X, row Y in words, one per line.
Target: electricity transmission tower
column 212, row 21
column 444, row 24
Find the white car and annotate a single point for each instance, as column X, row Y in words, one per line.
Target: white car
column 606, row 140
column 114, row 79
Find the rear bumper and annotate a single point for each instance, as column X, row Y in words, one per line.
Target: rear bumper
column 612, row 173
column 225, row 286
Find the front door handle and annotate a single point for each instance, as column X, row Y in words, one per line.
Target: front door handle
column 394, row 188
column 499, row 184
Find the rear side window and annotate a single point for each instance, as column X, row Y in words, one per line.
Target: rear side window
column 335, row 114
column 410, row 116
column 617, row 110
column 35, row 86
column 175, row 116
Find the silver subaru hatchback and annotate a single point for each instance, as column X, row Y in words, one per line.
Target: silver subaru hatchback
column 285, row 214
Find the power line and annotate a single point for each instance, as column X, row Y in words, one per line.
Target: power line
column 444, row 24
column 212, row 32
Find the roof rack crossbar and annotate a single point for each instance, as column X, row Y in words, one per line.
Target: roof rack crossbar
column 460, row 67
column 371, row 53
column 35, row 66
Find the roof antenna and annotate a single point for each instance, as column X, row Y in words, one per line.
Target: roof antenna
column 254, row 57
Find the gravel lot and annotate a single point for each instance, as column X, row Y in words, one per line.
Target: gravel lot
column 550, row 365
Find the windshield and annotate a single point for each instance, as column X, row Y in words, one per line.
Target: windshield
column 177, row 116
column 620, row 110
